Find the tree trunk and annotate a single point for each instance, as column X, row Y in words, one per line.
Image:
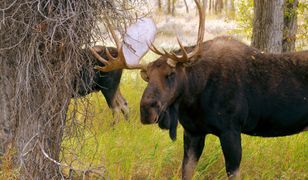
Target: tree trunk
column 229, row 6
column 173, row 7
column 268, row 25
column 186, row 6
column 34, row 126
column 290, row 25
column 159, row 5
column 169, row 6
column 31, row 143
column 219, row 6
column 205, row 4
column 210, row 6
column 39, row 58
column 225, row 2
column 7, row 89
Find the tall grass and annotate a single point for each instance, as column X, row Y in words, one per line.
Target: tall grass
column 130, row 150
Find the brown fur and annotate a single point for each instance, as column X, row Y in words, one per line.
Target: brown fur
column 230, row 89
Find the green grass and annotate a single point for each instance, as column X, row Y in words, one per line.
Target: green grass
column 130, row 150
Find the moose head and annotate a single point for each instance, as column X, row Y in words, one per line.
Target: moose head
column 166, row 76
column 167, row 82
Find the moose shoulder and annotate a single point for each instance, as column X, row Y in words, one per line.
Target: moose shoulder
column 229, row 89
column 237, row 86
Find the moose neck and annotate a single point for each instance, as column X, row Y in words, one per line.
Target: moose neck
column 195, row 80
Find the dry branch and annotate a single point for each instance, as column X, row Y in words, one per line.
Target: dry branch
column 41, row 44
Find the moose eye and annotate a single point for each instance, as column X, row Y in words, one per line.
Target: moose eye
column 144, row 75
column 171, row 76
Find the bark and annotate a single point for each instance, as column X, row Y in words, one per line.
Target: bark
column 7, row 89
column 35, row 126
column 290, row 25
column 32, row 120
column 268, row 25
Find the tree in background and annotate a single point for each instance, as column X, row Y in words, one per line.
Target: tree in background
column 275, row 25
column 229, row 7
column 204, row 2
column 40, row 57
column 218, row 7
column 302, row 30
column 212, row 6
column 171, row 7
column 268, row 25
column 290, row 25
column 159, row 5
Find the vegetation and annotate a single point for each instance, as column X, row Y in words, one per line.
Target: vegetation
column 244, row 18
column 92, row 147
column 302, row 32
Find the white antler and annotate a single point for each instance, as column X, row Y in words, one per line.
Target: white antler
column 134, row 47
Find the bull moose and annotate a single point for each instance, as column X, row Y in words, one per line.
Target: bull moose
column 222, row 87
column 105, row 82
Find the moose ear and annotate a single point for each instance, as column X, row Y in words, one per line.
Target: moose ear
column 144, row 75
column 136, row 40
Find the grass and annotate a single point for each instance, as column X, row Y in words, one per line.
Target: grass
column 130, row 150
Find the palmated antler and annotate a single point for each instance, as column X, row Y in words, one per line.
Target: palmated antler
column 114, row 63
column 185, row 57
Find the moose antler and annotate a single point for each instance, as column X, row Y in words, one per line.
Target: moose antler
column 114, row 63
column 186, row 56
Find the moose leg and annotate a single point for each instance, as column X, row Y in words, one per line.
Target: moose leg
column 193, row 147
column 231, row 146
